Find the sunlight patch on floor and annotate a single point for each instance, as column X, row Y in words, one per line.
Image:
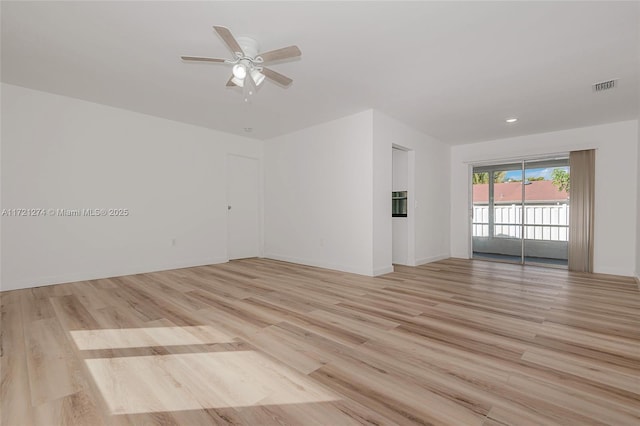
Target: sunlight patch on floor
column 146, row 337
column 201, row 380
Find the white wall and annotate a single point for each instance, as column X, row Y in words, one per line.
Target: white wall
column 318, row 195
column 63, row 153
column 616, row 184
column 638, row 213
column 1, row 204
column 328, row 195
column 400, row 164
column 428, row 196
column 638, row 194
column 400, row 225
column 382, row 230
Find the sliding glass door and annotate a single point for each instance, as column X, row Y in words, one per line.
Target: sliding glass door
column 546, row 212
column 520, row 212
column 497, row 212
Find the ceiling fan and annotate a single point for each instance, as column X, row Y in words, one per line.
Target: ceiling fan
column 248, row 69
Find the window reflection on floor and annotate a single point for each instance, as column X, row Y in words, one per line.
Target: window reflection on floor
column 190, row 381
column 145, row 337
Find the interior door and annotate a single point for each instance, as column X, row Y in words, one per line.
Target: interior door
column 243, row 206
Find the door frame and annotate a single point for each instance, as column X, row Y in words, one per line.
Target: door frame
column 411, row 203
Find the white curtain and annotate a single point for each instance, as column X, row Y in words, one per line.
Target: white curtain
column 581, row 202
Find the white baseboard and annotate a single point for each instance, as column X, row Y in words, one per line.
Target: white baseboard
column 382, row 271
column 638, row 280
column 424, row 260
column 318, row 264
column 107, row 273
column 614, row 271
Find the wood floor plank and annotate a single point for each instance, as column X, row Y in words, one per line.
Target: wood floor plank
column 48, row 367
column 622, row 378
column 264, row 342
column 15, row 392
column 561, row 399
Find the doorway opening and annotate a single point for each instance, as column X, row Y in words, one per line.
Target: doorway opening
column 402, row 215
column 520, row 212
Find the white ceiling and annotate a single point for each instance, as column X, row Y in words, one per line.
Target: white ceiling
column 454, row 70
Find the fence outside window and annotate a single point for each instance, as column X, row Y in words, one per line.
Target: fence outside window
column 542, row 222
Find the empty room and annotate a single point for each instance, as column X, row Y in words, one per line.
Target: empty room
column 320, row 213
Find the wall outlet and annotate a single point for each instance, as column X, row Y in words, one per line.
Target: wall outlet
column 173, row 242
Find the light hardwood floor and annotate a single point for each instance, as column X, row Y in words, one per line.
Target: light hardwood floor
column 260, row 342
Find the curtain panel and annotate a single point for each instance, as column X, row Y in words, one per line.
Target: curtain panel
column 581, row 201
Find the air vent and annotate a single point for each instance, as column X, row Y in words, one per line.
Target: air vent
column 604, row 85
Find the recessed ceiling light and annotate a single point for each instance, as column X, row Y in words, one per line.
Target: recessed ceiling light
column 511, row 120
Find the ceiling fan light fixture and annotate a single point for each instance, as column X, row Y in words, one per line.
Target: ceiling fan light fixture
column 238, row 82
column 239, row 71
column 257, row 77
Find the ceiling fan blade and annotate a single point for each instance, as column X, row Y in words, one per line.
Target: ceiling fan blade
column 230, row 83
column 276, row 76
column 200, row 59
column 279, row 54
column 229, row 39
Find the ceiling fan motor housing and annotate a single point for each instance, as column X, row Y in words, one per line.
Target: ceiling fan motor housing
column 249, row 46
